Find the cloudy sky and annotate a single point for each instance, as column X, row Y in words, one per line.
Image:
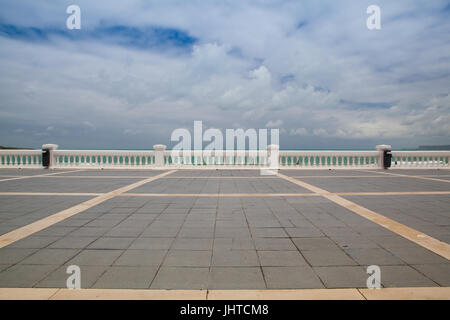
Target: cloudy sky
column 138, row 69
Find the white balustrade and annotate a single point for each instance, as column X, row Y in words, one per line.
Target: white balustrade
column 420, row 159
column 328, row 159
column 103, row 159
column 239, row 159
column 20, row 158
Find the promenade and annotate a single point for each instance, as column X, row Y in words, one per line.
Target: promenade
column 224, row 229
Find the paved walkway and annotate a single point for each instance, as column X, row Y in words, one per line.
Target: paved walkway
column 224, row 229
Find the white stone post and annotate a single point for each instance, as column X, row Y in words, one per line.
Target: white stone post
column 273, row 153
column 159, row 154
column 381, row 148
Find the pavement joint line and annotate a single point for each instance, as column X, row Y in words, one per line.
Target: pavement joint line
column 439, row 247
column 390, row 193
column 39, row 175
column 394, row 193
column 370, row 176
column 61, row 194
column 401, row 293
column 93, row 194
column 409, row 176
column 219, row 177
column 25, row 231
column 101, row 177
column 219, row 195
column 173, row 177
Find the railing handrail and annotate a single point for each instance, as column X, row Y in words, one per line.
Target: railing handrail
column 20, row 151
column 425, row 152
column 99, row 151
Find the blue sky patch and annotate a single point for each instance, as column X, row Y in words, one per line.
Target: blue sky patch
column 148, row 37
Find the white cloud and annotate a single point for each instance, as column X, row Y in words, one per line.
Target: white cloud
column 131, row 132
column 274, row 124
column 232, row 76
column 88, row 124
column 298, row 132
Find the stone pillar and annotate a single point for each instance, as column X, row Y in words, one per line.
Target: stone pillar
column 159, row 154
column 48, row 160
column 273, row 154
column 381, row 149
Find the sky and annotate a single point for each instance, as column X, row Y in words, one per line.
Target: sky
column 137, row 70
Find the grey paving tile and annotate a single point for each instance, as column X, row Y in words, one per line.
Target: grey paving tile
column 354, row 242
column 263, row 223
column 333, row 232
column 274, row 244
column 181, row 278
column 160, row 232
column 328, row 257
column 281, row 258
column 314, row 243
column 152, row 243
column 403, row 276
column 72, row 242
column 74, row 222
column 58, row 278
column 193, row 244
column 55, row 231
column 300, row 222
column 301, row 277
column 374, row 256
column 231, row 223
column 233, row 244
column 416, row 255
column 24, row 276
column 235, row 258
column 50, row 256
column 121, row 210
column 126, row 278
column 236, row 278
column 133, row 223
column 329, row 222
column 103, row 223
column 236, row 232
column 4, row 266
column 342, row 276
column 138, row 258
column 439, row 273
column 268, row 233
column 124, row 232
column 196, row 233
column 395, row 241
column 95, row 257
column 33, row 242
column 186, row 258
column 89, row 232
column 111, row 243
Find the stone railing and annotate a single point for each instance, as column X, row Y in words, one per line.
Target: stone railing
column 420, row 159
column 287, row 159
column 159, row 157
column 329, row 159
column 103, row 159
column 12, row 158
